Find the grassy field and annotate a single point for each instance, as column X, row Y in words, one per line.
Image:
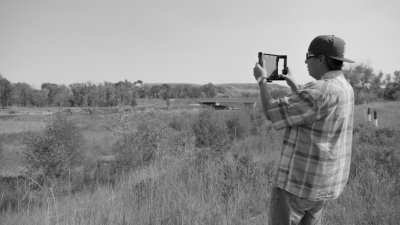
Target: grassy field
column 196, row 185
column 387, row 113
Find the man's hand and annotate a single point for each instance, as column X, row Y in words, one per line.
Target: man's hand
column 259, row 71
column 290, row 80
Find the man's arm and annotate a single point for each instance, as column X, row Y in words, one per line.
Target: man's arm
column 266, row 98
column 291, row 81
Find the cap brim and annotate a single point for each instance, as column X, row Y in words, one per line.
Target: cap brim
column 342, row 59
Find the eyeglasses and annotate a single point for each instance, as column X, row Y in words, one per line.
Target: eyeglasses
column 310, row 55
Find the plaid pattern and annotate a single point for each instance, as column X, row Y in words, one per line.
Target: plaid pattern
column 316, row 151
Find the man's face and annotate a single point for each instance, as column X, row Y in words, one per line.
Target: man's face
column 312, row 64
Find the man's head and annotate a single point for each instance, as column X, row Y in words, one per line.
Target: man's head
column 325, row 53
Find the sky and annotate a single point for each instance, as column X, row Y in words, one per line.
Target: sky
column 185, row 41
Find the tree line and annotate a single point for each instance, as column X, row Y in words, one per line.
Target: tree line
column 368, row 86
column 96, row 95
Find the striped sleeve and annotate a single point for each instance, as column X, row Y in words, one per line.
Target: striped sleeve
column 303, row 107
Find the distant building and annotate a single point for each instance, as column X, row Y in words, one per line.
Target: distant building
column 229, row 103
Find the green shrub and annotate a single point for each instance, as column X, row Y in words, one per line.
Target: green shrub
column 368, row 133
column 146, row 137
column 238, row 124
column 372, row 193
column 211, row 131
column 257, row 120
column 375, row 149
column 1, row 151
column 137, row 142
column 55, row 151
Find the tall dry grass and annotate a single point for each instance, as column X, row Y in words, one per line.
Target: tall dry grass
column 201, row 186
column 187, row 191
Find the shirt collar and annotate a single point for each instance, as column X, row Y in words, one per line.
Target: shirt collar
column 332, row 74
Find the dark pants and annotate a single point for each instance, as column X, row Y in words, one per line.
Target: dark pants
column 288, row 209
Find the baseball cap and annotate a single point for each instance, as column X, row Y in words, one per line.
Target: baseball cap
column 329, row 45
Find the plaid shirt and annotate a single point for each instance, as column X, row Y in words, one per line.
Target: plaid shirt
column 316, row 151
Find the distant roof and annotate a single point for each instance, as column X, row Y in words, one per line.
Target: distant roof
column 228, row 100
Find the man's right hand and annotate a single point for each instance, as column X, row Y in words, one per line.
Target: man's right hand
column 259, row 71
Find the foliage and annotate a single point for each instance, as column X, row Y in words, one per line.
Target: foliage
column 5, row 92
column 211, row 131
column 143, row 138
column 22, row 94
column 1, row 151
column 238, row 124
column 371, row 195
column 56, row 150
column 391, row 90
column 209, row 90
column 368, row 133
column 39, row 97
column 137, row 142
column 57, row 95
column 109, row 94
column 376, row 149
column 181, row 184
column 368, row 86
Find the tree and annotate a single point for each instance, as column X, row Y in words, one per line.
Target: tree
column 143, row 91
column 124, row 92
column 39, row 97
column 390, row 92
column 52, row 91
column 377, row 82
column 110, row 94
column 388, row 78
column 360, row 77
column 79, row 94
column 194, row 92
column 58, row 95
column 63, row 96
column 165, row 91
column 5, row 92
column 392, row 87
column 155, row 91
column 209, row 90
column 93, row 95
column 396, row 75
column 22, row 94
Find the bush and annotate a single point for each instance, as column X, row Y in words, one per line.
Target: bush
column 1, row 151
column 55, row 151
column 372, row 193
column 211, row 131
column 238, row 124
column 146, row 137
column 368, row 133
column 375, row 149
column 257, row 120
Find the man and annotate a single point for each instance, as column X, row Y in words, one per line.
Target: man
column 318, row 122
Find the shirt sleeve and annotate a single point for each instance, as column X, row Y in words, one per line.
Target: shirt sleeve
column 305, row 106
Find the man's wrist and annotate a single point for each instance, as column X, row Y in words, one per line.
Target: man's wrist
column 261, row 80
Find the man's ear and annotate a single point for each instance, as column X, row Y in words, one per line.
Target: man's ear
column 321, row 59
